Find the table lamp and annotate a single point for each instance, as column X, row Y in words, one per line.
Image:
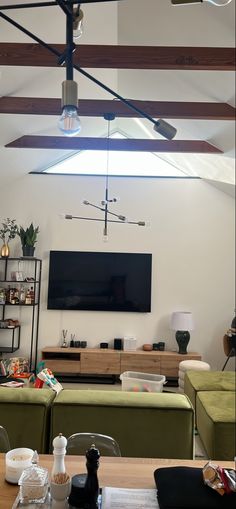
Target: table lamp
column 182, row 323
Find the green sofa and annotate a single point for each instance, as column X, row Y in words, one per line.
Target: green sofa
column 145, row 425
column 25, row 414
column 212, row 394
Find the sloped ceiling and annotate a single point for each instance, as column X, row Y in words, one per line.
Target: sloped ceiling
column 134, row 23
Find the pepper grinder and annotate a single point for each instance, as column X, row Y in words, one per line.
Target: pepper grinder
column 59, row 450
column 91, row 488
column 85, row 488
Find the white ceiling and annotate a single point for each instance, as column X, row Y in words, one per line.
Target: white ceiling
column 128, row 22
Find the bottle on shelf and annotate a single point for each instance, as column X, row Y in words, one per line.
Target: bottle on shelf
column 32, row 294
column 28, row 297
column 22, row 295
column 16, row 295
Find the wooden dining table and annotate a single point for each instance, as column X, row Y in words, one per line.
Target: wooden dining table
column 118, row 472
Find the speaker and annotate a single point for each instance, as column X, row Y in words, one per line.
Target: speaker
column 118, row 344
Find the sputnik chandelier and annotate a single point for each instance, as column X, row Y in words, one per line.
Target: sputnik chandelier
column 106, row 202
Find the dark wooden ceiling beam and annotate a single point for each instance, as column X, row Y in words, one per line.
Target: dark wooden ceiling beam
column 141, row 145
column 97, row 108
column 123, row 57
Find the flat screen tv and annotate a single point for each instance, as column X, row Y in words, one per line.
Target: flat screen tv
column 99, row 281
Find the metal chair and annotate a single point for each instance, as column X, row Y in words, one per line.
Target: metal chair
column 4, row 440
column 79, row 443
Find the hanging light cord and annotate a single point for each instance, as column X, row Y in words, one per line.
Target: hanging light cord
column 106, row 184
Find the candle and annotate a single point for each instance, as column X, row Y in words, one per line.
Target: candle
column 16, row 461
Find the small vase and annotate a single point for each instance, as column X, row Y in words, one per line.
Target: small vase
column 5, row 251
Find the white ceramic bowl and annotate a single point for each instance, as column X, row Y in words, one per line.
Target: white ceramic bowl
column 16, row 461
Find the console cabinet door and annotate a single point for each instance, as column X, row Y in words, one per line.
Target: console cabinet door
column 63, row 366
column 142, row 362
column 100, row 363
column 170, row 363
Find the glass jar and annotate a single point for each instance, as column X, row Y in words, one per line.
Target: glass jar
column 33, row 485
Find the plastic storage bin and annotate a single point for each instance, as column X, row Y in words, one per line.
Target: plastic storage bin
column 142, row 382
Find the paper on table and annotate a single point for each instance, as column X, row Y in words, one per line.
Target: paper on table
column 125, row 498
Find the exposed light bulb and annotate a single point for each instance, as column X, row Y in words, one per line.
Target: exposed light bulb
column 78, row 31
column 69, row 122
column 78, row 26
column 217, row 3
column 105, row 237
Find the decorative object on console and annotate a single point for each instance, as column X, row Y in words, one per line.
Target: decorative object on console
column 7, row 233
column 118, row 344
column 103, row 345
column 182, row 323
column 159, row 346
column 28, row 237
column 64, row 342
column 129, row 343
column 147, row 347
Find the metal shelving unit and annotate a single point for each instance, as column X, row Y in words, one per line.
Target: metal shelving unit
column 32, row 268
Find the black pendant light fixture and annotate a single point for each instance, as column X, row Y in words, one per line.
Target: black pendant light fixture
column 69, row 122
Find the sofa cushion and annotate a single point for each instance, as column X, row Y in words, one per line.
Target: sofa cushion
column 215, row 414
column 25, row 414
column 144, row 425
column 207, row 381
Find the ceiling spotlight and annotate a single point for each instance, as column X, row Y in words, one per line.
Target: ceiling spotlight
column 218, row 3
column 78, row 28
column 162, row 127
column 69, row 122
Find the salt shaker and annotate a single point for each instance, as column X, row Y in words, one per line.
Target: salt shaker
column 59, row 450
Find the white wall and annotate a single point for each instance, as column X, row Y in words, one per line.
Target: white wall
column 191, row 238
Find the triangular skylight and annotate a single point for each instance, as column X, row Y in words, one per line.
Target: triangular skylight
column 121, row 163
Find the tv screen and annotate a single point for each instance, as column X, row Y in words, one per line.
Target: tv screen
column 100, row 281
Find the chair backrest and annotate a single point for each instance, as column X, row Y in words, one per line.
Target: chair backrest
column 4, row 440
column 79, row 443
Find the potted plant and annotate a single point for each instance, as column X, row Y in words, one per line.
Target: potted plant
column 7, row 232
column 28, row 237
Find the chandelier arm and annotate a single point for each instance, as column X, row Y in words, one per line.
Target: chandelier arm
column 139, row 223
column 95, row 206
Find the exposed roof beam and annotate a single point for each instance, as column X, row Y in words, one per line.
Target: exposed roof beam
column 97, row 108
column 122, row 57
column 143, row 145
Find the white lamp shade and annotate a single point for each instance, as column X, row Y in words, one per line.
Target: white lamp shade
column 182, row 320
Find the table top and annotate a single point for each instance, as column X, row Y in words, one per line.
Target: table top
column 113, row 471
